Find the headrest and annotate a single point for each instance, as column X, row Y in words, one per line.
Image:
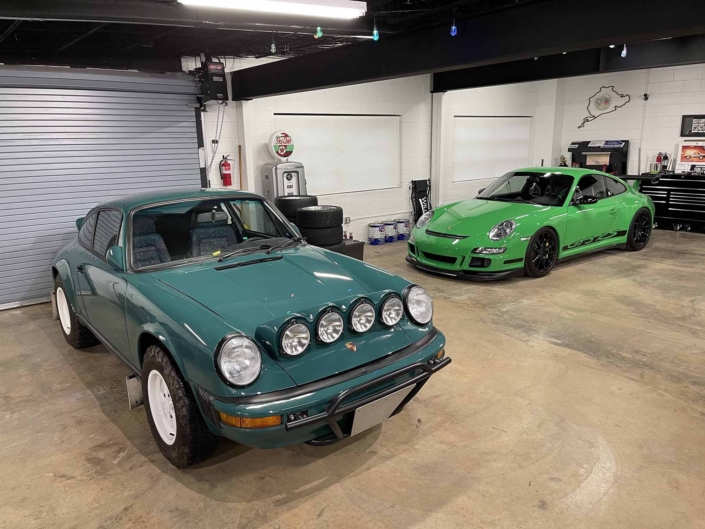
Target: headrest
column 211, row 216
column 143, row 225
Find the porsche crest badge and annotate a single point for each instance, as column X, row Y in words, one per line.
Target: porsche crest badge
column 351, row 346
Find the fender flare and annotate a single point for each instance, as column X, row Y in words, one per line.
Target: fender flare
column 160, row 335
column 64, row 272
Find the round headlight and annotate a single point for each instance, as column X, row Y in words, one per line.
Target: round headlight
column 362, row 317
column 424, row 219
column 239, row 360
column 295, row 339
column 502, row 230
column 330, row 327
column 392, row 309
column 419, row 305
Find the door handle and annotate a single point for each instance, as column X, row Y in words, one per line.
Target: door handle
column 80, row 268
column 614, row 211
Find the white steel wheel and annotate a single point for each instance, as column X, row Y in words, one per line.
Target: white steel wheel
column 162, row 407
column 63, row 307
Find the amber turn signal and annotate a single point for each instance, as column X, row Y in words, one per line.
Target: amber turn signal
column 441, row 354
column 250, row 422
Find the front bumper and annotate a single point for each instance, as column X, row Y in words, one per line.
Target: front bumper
column 321, row 412
column 465, row 274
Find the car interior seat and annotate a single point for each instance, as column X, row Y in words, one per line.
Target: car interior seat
column 211, row 233
column 148, row 247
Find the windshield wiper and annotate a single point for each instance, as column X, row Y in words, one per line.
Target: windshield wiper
column 284, row 244
column 243, row 251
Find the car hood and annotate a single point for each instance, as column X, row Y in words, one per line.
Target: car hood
column 257, row 299
column 476, row 215
column 248, row 294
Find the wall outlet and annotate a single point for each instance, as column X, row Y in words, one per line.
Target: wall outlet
column 347, row 220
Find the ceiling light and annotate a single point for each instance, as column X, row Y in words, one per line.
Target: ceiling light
column 453, row 29
column 317, row 8
column 624, row 51
column 611, row 45
column 375, row 33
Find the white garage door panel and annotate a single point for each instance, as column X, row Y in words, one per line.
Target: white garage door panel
column 62, row 151
column 488, row 147
column 344, row 154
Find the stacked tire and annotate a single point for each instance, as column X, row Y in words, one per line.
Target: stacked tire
column 288, row 205
column 322, row 226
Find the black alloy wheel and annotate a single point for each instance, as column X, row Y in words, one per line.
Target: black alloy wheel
column 640, row 231
column 542, row 253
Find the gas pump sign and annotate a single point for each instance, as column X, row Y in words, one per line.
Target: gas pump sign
column 281, row 145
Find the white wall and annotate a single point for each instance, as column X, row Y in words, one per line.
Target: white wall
column 653, row 125
column 539, row 100
column 408, row 97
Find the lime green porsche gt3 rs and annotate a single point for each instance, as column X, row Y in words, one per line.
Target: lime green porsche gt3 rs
column 529, row 219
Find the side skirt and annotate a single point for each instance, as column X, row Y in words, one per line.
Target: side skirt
column 590, row 251
column 109, row 347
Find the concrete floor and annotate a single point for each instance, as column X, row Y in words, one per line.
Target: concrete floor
column 574, row 401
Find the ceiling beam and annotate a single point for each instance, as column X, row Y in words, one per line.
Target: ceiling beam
column 167, row 14
column 528, row 30
column 653, row 54
column 80, row 38
column 10, row 30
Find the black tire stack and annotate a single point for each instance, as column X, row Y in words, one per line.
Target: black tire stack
column 322, row 226
column 288, row 205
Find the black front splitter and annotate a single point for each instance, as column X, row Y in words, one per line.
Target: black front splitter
column 466, row 274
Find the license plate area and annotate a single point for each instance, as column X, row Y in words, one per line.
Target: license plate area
column 375, row 412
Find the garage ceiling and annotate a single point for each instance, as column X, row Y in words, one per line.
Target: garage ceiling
column 154, row 34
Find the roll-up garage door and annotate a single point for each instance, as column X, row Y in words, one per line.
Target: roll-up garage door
column 70, row 140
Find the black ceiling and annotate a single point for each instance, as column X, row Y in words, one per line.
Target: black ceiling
column 154, row 34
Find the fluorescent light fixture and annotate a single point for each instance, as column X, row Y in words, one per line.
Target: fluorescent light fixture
column 313, row 8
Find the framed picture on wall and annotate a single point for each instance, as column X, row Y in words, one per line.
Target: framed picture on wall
column 693, row 126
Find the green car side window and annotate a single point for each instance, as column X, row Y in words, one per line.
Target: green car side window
column 614, row 188
column 85, row 236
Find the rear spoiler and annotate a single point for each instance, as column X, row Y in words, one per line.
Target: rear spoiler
column 644, row 177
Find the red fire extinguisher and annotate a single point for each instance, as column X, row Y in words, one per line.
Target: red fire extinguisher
column 226, row 171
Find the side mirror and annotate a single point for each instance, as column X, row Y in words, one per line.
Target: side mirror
column 115, row 257
column 584, row 199
column 481, row 191
column 295, row 229
column 79, row 222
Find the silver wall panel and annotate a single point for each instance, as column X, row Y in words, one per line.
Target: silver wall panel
column 70, row 140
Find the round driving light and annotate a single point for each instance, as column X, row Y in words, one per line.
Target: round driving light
column 363, row 316
column 330, row 327
column 239, row 361
column 419, row 305
column 392, row 309
column 295, row 339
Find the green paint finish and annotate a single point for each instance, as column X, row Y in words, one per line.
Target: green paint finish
column 580, row 228
column 190, row 307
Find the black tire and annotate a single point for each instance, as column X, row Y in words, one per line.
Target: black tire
column 289, row 204
column 640, row 230
column 337, row 248
column 78, row 337
column 542, row 253
column 193, row 441
column 323, row 236
column 319, row 217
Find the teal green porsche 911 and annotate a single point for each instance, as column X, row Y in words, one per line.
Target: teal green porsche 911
column 234, row 327
column 527, row 220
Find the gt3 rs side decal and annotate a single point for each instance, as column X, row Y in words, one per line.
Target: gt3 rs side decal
column 592, row 240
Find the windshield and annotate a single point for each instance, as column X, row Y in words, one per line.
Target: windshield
column 195, row 230
column 548, row 189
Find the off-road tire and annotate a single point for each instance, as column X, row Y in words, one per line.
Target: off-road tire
column 634, row 241
column 337, row 248
column 319, row 217
column 79, row 336
column 289, row 204
column 533, row 269
column 322, row 236
column 194, row 441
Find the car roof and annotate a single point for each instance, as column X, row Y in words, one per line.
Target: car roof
column 130, row 202
column 572, row 171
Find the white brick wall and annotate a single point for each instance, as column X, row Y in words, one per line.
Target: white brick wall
column 408, row 97
column 672, row 93
column 537, row 100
